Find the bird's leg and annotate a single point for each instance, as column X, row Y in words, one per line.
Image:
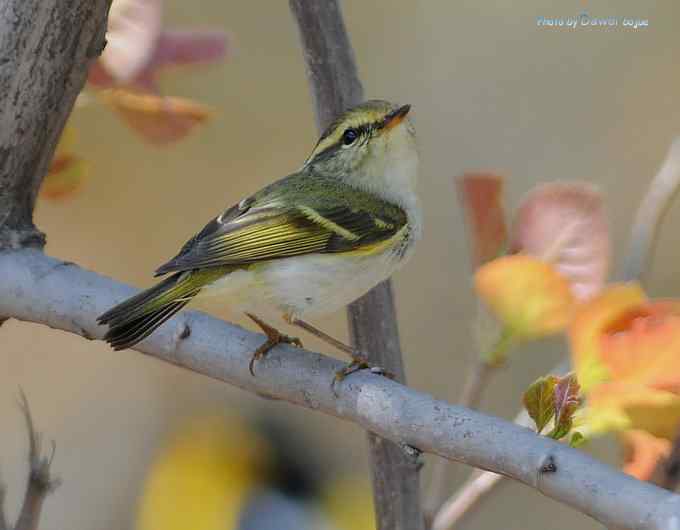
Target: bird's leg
column 274, row 338
column 359, row 359
column 294, row 321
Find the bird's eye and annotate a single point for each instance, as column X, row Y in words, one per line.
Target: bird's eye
column 349, row 136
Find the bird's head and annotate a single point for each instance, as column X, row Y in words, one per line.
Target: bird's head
column 371, row 146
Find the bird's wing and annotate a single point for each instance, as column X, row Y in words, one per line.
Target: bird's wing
column 311, row 221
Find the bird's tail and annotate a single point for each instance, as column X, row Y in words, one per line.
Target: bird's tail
column 137, row 317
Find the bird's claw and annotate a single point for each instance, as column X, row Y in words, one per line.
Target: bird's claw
column 359, row 362
column 271, row 342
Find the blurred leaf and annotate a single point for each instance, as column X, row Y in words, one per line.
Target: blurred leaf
column 587, row 328
column 642, row 453
column 160, row 120
column 65, row 177
column 348, row 501
column 189, row 47
column 204, row 477
column 643, row 346
column 539, row 401
column 623, row 406
column 67, row 172
column 566, row 401
column 138, row 47
column 528, row 295
column 481, row 196
column 635, row 345
column 604, row 418
column 133, row 32
column 565, row 223
column 577, row 440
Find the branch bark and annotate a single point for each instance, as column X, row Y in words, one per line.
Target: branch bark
column 481, row 484
column 45, row 51
column 37, row 288
column 335, row 86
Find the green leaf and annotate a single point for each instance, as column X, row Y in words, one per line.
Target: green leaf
column 539, row 400
column 577, row 440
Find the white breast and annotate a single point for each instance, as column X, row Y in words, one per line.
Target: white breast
column 308, row 286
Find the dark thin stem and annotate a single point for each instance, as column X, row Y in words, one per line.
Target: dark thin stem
column 4, row 525
column 335, row 86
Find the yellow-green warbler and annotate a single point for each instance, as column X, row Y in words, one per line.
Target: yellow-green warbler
column 307, row 244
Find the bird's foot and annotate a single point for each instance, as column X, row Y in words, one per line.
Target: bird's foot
column 274, row 338
column 359, row 362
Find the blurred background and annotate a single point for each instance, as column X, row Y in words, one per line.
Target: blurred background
column 490, row 91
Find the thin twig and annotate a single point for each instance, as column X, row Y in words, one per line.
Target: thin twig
column 476, row 488
column 476, row 383
column 40, row 482
column 650, row 214
column 335, row 86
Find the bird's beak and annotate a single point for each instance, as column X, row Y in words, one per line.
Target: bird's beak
column 395, row 117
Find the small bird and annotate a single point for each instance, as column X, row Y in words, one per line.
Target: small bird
column 305, row 245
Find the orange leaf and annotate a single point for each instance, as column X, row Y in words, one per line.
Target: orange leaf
column 481, row 196
column 622, row 406
column 588, row 325
column 627, row 352
column 161, row 120
column 67, row 171
column 565, row 223
column 643, row 347
column 642, row 453
column 65, row 177
column 528, row 295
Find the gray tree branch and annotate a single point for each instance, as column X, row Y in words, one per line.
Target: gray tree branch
column 38, row 288
column 335, row 86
